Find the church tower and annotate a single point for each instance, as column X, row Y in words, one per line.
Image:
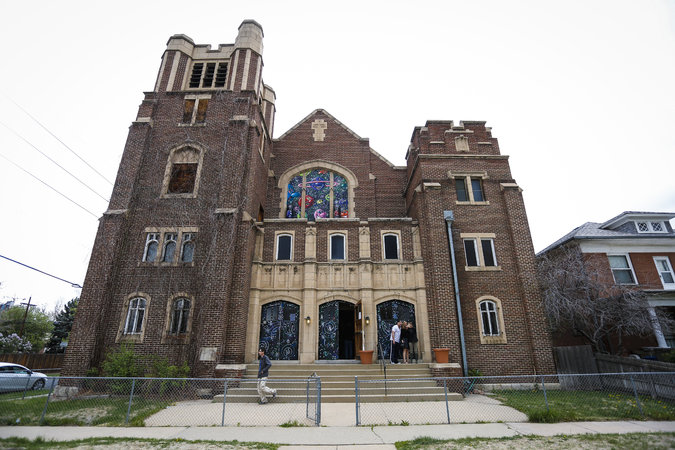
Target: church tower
column 170, row 267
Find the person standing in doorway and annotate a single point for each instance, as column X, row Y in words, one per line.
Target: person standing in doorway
column 395, row 342
column 404, row 343
column 412, row 341
column 263, row 372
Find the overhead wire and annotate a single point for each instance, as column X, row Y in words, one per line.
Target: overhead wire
column 62, row 143
column 75, row 285
column 54, row 162
column 50, row 187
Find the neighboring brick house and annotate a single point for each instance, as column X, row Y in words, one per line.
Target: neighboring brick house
column 632, row 249
column 219, row 239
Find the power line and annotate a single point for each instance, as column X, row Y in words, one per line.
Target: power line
column 75, row 285
column 62, row 143
column 53, row 189
column 54, row 162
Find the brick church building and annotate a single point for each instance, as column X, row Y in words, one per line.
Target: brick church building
column 219, row 239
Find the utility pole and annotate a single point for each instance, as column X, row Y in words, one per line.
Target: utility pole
column 25, row 316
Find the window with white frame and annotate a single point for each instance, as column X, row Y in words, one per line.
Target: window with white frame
column 151, row 247
column 187, row 250
column 180, row 313
column 284, row 250
column 621, row 269
column 194, row 110
column 169, row 249
column 479, row 250
column 469, row 189
column 208, row 75
column 390, row 246
column 135, row 316
column 170, row 245
column 665, row 270
column 337, row 246
column 650, row 227
column 489, row 318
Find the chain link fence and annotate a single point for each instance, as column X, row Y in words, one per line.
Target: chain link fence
column 540, row 398
column 298, row 402
column 163, row 402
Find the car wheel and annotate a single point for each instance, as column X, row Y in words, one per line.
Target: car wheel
column 39, row 384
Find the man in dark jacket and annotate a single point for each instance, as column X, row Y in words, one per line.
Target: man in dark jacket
column 263, row 370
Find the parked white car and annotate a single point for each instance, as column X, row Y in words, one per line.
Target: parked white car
column 14, row 377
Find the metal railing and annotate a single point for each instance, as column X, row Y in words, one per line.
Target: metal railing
column 164, row 402
column 301, row 401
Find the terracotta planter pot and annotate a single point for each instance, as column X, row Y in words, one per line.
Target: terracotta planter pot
column 442, row 355
column 366, row 356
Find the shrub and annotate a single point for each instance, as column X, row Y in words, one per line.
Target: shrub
column 14, row 344
column 122, row 363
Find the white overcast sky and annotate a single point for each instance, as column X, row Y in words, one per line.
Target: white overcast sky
column 580, row 94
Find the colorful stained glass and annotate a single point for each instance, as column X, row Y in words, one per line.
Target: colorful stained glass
column 293, row 198
column 340, row 196
column 317, row 194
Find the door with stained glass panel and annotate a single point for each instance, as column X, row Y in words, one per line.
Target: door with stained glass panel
column 279, row 330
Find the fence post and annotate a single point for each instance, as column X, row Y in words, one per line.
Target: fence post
column 445, row 390
column 637, row 399
column 318, row 402
column 222, row 418
column 543, row 388
column 44, row 411
column 25, row 388
column 356, row 394
column 307, row 399
column 131, row 396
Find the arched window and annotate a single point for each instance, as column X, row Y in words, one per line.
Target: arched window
column 180, row 313
column 135, row 316
column 181, row 178
column 489, row 318
column 151, row 246
column 187, row 251
column 169, row 247
column 316, row 194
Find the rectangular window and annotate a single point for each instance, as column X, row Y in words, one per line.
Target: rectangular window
column 194, row 110
column 621, row 269
column 390, row 246
column 650, row 227
column 469, row 189
column 462, row 194
column 284, row 247
column 665, row 270
column 183, row 176
column 471, row 252
column 135, row 315
column 337, row 246
column 480, row 252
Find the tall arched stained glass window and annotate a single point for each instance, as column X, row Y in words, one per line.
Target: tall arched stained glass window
column 317, row 194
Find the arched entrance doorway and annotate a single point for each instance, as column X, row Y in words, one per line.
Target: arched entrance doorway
column 388, row 313
column 337, row 330
column 279, row 329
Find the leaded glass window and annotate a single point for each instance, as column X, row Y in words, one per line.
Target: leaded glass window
column 488, row 313
column 317, row 194
column 135, row 315
column 179, row 316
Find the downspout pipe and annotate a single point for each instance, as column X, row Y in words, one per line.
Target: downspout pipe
column 449, row 218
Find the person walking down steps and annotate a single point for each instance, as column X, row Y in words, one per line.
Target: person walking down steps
column 263, row 371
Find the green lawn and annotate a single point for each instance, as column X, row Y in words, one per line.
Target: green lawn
column 109, row 411
column 585, row 405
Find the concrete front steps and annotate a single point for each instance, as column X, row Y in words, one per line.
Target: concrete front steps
column 338, row 383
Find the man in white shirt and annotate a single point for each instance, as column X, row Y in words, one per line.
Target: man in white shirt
column 395, row 342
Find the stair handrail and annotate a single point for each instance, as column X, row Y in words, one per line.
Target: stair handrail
column 384, row 367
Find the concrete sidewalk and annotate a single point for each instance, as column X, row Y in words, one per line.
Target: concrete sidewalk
column 382, row 436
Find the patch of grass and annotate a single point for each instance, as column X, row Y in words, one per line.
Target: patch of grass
column 91, row 411
column 40, row 443
column 630, row 440
column 585, row 405
column 291, row 424
column 15, row 395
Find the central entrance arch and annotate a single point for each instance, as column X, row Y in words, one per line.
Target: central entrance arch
column 337, row 330
column 388, row 313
